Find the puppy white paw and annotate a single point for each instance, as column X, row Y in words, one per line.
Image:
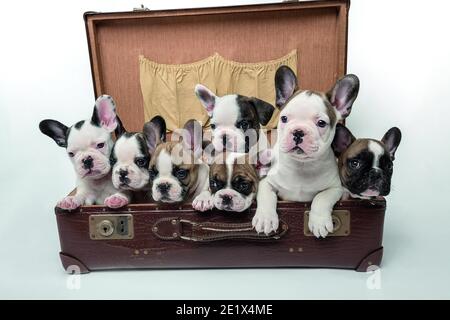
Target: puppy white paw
column 320, row 224
column 116, row 201
column 265, row 222
column 203, row 202
column 69, row 203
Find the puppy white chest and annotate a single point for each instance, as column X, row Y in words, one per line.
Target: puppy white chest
column 297, row 181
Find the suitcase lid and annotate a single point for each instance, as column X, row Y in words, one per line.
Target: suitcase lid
column 250, row 33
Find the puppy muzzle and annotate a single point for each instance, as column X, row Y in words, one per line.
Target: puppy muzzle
column 129, row 178
column 300, row 140
column 167, row 190
column 230, row 200
column 229, row 139
column 373, row 183
column 93, row 165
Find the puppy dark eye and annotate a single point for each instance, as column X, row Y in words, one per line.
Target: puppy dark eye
column 244, row 125
column 181, row 174
column 71, row 154
column 354, row 164
column 153, row 173
column 100, row 145
column 244, row 187
column 321, row 124
column 284, row 119
column 215, row 184
column 141, row 162
column 213, row 126
column 389, row 166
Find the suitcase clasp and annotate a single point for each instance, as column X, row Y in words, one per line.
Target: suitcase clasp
column 111, row 226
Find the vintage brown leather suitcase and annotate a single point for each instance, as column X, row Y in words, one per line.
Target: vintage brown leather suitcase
column 167, row 236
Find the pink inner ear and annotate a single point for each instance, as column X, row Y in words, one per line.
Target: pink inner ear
column 210, row 108
column 340, row 104
column 107, row 115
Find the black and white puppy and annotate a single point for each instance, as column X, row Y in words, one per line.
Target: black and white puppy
column 235, row 120
column 233, row 182
column 304, row 167
column 366, row 165
column 130, row 157
column 88, row 144
column 177, row 172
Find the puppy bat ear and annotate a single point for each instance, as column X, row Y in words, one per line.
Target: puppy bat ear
column 206, row 97
column 392, row 140
column 285, row 85
column 104, row 114
column 343, row 94
column 264, row 110
column 55, row 130
column 192, row 137
column 155, row 132
column 343, row 138
column 120, row 129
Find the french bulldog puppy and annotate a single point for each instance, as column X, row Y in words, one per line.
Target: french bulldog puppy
column 88, row 144
column 304, row 167
column 177, row 171
column 130, row 157
column 365, row 165
column 233, row 182
column 235, row 120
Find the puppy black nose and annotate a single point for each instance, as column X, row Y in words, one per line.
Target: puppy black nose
column 88, row 163
column 163, row 187
column 375, row 174
column 298, row 136
column 123, row 176
column 224, row 140
column 226, row 200
column 123, row 173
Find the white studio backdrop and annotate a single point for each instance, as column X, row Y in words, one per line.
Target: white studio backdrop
column 400, row 51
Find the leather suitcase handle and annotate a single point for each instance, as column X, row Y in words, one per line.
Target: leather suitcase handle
column 186, row 230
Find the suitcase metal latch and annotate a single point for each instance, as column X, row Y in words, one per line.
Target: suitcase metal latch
column 111, row 227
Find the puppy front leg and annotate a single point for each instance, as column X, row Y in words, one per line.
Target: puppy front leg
column 73, row 202
column 266, row 217
column 118, row 200
column 204, row 201
column 320, row 221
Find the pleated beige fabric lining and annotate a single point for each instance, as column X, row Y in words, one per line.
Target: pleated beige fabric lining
column 168, row 89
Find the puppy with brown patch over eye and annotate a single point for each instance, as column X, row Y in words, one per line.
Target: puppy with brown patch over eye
column 177, row 171
column 365, row 165
column 233, row 182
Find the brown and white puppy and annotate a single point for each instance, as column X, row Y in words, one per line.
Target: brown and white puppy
column 233, row 182
column 177, row 171
column 130, row 157
column 365, row 165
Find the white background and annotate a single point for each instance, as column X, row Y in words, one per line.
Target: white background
column 399, row 49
